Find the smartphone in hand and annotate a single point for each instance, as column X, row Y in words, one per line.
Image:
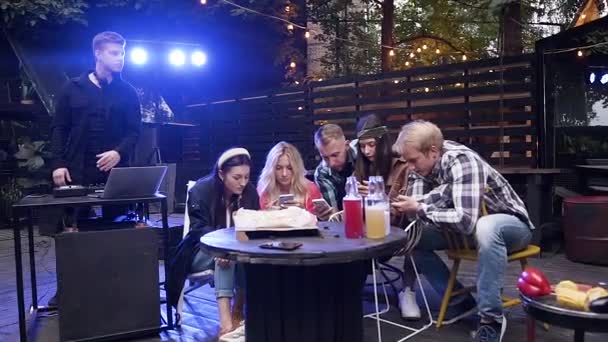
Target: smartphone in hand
column 287, row 198
column 321, row 205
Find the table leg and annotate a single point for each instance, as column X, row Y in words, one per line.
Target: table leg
column 30, row 238
column 531, row 325
column 579, row 335
column 166, row 258
column 19, row 276
column 305, row 303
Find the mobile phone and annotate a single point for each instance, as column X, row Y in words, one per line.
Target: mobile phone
column 285, row 246
column 320, row 204
column 286, row 198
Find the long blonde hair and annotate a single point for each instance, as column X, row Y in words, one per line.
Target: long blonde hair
column 267, row 185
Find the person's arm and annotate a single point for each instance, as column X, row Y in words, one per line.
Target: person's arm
column 60, row 128
column 126, row 145
column 327, row 188
column 313, row 193
column 466, row 180
column 199, row 212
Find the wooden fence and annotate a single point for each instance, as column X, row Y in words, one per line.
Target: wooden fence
column 464, row 99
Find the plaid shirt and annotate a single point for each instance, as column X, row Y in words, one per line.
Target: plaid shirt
column 331, row 183
column 451, row 196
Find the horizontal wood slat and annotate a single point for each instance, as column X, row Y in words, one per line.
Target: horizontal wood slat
column 466, row 100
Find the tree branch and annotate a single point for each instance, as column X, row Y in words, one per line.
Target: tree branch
column 429, row 36
column 378, row 2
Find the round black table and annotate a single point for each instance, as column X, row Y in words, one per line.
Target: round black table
column 546, row 309
column 310, row 294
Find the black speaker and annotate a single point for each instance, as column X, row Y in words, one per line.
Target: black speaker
column 107, row 283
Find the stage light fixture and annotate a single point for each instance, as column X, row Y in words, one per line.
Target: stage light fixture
column 177, row 58
column 139, row 56
column 604, row 79
column 198, row 58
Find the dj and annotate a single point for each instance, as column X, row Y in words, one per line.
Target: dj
column 97, row 118
column 96, row 124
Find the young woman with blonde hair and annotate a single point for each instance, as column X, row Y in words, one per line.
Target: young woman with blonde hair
column 283, row 174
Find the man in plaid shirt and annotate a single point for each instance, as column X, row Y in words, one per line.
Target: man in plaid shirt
column 338, row 163
column 445, row 191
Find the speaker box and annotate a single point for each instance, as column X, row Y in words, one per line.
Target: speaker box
column 107, row 283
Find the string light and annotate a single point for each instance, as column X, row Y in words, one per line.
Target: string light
column 580, row 53
column 292, row 64
column 464, row 57
column 437, row 51
column 426, row 90
column 424, row 47
column 418, row 50
column 290, row 27
column 583, row 16
column 203, row 2
column 407, row 63
column 287, row 8
column 412, row 55
column 391, row 53
column 297, row 82
column 307, row 34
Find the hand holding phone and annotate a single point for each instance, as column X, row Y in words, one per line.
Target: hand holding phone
column 286, row 198
column 322, row 209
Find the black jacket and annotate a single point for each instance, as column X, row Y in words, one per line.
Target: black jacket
column 79, row 97
column 206, row 215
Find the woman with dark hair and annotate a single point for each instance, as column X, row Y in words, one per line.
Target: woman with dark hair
column 211, row 202
column 375, row 156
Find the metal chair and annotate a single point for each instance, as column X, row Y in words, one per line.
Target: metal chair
column 413, row 237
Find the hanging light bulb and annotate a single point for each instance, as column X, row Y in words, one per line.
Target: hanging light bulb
column 287, row 8
column 583, row 16
column 306, row 34
column 464, row 57
column 579, row 53
column 424, row 47
column 391, row 53
column 426, row 90
column 297, row 82
column 290, row 27
column 292, row 64
column 437, row 51
column 418, row 50
column 407, row 63
column 412, row 55
column 203, row 2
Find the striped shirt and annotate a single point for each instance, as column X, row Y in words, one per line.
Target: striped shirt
column 451, row 196
column 332, row 183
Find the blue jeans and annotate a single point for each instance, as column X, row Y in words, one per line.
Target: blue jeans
column 224, row 278
column 497, row 235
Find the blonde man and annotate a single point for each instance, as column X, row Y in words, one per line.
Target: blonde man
column 338, row 160
column 446, row 188
column 284, row 174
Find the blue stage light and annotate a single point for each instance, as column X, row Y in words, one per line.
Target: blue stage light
column 177, row 58
column 604, row 79
column 592, row 77
column 139, row 56
column 198, row 58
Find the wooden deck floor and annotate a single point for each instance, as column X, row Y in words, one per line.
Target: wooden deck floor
column 200, row 317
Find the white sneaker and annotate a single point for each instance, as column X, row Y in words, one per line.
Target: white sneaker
column 407, row 303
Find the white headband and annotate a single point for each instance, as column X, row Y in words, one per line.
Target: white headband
column 233, row 152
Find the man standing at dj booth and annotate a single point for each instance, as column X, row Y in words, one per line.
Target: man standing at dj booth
column 95, row 128
column 97, row 118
